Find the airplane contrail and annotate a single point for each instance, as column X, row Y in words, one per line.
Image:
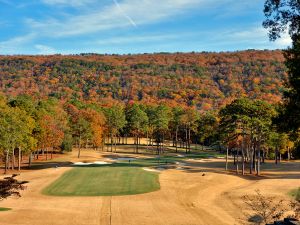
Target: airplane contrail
column 122, row 11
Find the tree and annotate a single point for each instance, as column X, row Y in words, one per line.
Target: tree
column 189, row 121
column 243, row 120
column 16, row 129
column 161, row 120
column 177, row 113
column 266, row 209
column 115, row 121
column 97, row 123
column 207, row 128
column 26, row 103
column 137, row 121
column 52, row 123
column 282, row 16
column 81, row 130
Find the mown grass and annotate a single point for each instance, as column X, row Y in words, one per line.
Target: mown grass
column 125, row 177
column 4, row 209
column 104, row 181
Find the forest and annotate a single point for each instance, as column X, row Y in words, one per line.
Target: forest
column 206, row 81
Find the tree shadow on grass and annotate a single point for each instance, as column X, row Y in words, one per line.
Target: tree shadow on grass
column 269, row 171
column 47, row 165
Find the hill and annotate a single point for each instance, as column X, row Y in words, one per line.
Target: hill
column 204, row 80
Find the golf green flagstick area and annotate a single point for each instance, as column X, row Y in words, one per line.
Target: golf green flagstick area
column 104, row 181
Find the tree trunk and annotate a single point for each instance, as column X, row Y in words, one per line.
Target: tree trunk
column 258, row 163
column 237, row 162
column 115, row 144
column 30, row 159
column 111, row 142
column 250, row 162
column 147, row 140
column 280, row 157
column 189, row 140
column 276, row 155
column 226, row 165
column 6, row 161
column 234, row 159
column 79, row 147
column 13, row 159
column 19, row 159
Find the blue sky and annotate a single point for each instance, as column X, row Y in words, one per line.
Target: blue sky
column 132, row 26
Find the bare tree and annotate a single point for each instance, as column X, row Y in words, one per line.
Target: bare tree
column 264, row 209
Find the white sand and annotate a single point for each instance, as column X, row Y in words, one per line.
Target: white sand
column 151, row 170
column 91, row 163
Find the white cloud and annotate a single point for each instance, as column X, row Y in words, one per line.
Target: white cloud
column 110, row 17
column 73, row 3
column 45, row 50
column 259, row 35
column 124, row 13
column 12, row 45
column 136, row 39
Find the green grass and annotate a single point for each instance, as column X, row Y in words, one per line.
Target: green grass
column 104, row 181
column 4, row 209
column 295, row 194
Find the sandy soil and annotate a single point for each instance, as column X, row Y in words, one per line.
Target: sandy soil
column 186, row 197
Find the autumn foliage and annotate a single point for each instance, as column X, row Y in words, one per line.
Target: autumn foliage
column 206, row 81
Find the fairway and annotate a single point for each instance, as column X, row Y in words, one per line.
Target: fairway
column 4, row 209
column 103, row 181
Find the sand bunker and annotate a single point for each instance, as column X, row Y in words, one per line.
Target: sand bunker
column 151, row 170
column 91, row 163
column 180, row 164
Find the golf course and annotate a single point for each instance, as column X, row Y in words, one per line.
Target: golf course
column 104, row 188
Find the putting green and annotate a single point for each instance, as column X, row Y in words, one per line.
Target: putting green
column 103, row 181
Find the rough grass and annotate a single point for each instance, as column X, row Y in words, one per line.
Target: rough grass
column 103, row 181
column 4, row 209
column 295, row 194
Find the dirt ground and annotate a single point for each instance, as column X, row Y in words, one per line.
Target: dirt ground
column 186, row 197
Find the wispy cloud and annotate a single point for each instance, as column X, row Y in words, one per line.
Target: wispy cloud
column 124, row 13
column 111, row 17
column 45, row 50
column 259, row 35
column 136, row 39
column 12, row 45
column 73, row 3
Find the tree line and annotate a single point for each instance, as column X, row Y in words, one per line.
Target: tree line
column 244, row 128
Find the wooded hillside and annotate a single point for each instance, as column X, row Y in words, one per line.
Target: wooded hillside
column 204, row 80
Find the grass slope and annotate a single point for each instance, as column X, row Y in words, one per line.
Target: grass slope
column 103, row 181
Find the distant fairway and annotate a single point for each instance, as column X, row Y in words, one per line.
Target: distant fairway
column 4, row 209
column 104, row 181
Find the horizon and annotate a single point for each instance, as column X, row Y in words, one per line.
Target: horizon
column 48, row 27
column 143, row 53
